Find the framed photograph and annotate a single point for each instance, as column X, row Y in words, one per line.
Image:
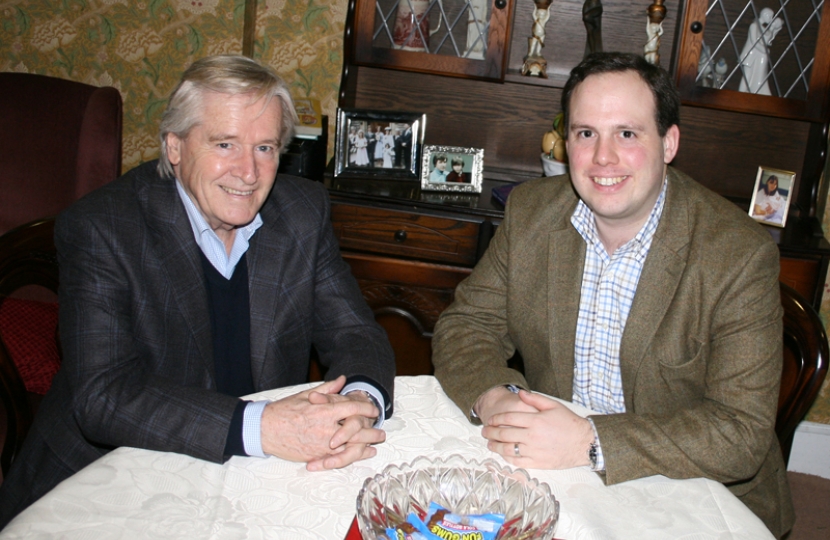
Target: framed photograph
column 378, row 144
column 771, row 196
column 452, row 168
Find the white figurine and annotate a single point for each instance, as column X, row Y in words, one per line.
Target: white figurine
column 704, row 66
column 535, row 64
column 755, row 54
column 476, row 29
column 537, row 41
column 652, row 49
column 720, row 73
column 654, row 29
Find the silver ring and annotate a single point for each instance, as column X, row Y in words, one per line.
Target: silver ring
column 516, row 450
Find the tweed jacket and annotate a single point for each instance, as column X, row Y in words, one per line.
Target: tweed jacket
column 136, row 335
column 701, row 352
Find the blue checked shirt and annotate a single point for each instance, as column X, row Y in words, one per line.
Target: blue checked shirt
column 225, row 264
column 609, row 283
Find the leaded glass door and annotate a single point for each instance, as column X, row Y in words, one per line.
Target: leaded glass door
column 761, row 56
column 466, row 38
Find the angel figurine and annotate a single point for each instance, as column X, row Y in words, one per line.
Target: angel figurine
column 755, row 54
column 535, row 64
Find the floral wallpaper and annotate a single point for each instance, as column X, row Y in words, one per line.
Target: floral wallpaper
column 141, row 48
column 303, row 41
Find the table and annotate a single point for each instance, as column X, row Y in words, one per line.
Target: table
column 133, row 493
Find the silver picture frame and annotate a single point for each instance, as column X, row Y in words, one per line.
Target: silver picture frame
column 452, row 168
column 378, row 144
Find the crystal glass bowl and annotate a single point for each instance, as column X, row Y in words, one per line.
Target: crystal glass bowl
column 461, row 486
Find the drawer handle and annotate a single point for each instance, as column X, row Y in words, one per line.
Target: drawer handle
column 400, row 236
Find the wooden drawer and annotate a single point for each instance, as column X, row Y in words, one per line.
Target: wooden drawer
column 393, row 232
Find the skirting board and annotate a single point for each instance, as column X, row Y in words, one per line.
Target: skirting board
column 811, row 449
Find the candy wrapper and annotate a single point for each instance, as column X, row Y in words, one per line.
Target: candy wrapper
column 441, row 524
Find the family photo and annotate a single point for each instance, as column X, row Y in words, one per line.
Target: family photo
column 771, row 196
column 456, row 171
column 385, row 145
column 451, row 168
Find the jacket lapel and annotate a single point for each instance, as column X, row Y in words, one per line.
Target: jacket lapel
column 264, row 283
column 661, row 275
column 180, row 261
column 566, row 259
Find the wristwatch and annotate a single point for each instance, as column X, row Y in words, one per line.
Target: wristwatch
column 592, row 454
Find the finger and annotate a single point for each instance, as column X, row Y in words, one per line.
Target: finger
column 318, row 398
column 347, row 434
column 349, row 427
column 349, row 455
column 508, row 450
column 352, row 453
column 352, row 407
column 332, row 387
column 328, row 387
column 511, row 419
column 502, row 435
column 341, row 407
column 537, row 401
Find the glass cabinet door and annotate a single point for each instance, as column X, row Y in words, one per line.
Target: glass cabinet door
column 464, row 38
column 757, row 56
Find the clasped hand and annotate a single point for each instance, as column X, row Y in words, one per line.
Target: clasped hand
column 549, row 435
column 321, row 427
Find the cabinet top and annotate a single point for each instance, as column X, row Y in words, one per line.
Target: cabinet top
column 405, row 193
column 802, row 235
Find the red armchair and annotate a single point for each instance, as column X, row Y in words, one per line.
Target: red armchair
column 59, row 140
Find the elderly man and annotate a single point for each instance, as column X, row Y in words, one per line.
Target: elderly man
column 632, row 290
column 198, row 279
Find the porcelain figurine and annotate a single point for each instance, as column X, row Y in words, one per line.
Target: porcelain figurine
column 720, row 73
column 535, row 64
column 654, row 29
column 755, row 54
column 704, row 66
column 476, row 30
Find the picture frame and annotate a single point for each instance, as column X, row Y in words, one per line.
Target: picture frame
column 361, row 131
column 442, row 166
column 771, row 208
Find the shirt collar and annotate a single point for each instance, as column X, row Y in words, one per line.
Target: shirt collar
column 584, row 222
column 209, row 242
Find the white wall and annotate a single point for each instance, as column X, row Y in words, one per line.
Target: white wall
column 811, row 450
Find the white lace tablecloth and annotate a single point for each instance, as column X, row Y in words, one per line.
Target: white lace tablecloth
column 132, row 493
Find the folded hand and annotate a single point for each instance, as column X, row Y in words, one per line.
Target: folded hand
column 321, row 427
column 553, row 437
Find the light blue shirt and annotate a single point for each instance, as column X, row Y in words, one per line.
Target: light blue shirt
column 609, row 283
column 215, row 252
column 437, row 175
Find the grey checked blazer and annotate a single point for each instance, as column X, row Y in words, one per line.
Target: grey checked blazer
column 135, row 328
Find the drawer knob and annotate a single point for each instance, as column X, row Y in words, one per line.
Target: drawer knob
column 400, row 236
